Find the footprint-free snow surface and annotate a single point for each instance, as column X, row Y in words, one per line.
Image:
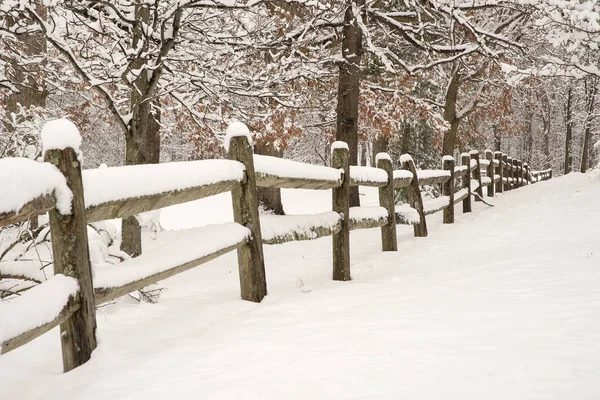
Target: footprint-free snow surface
column 504, row 304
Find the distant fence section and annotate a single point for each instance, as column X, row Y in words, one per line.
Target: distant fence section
column 74, row 198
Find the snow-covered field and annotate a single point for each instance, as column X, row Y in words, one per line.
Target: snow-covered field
column 504, row 304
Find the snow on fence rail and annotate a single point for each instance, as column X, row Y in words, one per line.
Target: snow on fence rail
column 69, row 298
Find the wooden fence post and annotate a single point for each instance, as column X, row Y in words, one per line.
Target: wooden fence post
column 414, row 195
column 509, row 166
column 505, row 169
column 341, row 205
column 527, row 177
column 477, row 174
column 389, row 241
column 521, row 174
column 499, row 171
column 515, row 173
column 448, row 189
column 466, row 160
column 251, row 262
column 72, row 258
column 490, row 173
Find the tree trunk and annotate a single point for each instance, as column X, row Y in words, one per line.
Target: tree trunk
column 32, row 91
column 270, row 198
column 569, row 134
column 449, row 141
column 142, row 141
column 405, row 144
column 497, row 139
column 380, row 145
column 591, row 89
column 348, row 87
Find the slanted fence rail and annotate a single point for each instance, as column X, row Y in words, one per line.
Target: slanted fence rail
column 81, row 197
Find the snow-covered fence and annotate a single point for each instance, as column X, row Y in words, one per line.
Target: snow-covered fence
column 58, row 186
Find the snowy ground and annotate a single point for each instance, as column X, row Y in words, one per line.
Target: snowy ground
column 504, row 304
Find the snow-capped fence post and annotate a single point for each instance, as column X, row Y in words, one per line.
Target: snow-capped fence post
column 251, row 264
column 341, row 205
column 490, row 172
column 387, row 201
column 466, row 160
column 448, row 189
column 414, row 195
column 521, row 174
column 506, row 173
column 509, row 166
column 70, row 244
column 527, row 177
column 515, row 172
column 477, row 174
column 499, row 171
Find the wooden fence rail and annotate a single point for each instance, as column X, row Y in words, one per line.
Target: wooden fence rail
column 240, row 175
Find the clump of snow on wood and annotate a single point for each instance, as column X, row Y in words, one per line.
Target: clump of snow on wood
column 496, row 162
column 407, row 214
column 447, row 158
column 496, row 177
column 236, row 128
column 285, row 168
column 36, row 307
column 484, row 162
column 437, row 204
column 402, row 174
column 296, row 227
column 186, row 246
column 368, row 212
column 405, row 158
column 486, row 180
column 384, row 156
column 60, row 134
column 23, row 180
column 460, row 169
column 111, row 184
column 460, row 195
column 464, row 154
column 473, row 163
column 472, row 152
column 29, row 270
column 474, row 185
column 368, row 174
column 338, row 144
column 432, row 173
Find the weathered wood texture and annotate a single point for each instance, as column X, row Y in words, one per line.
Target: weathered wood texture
column 515, row 173
column 368, row 223
column 341, row 205
column 389, row 240
column 466, row 160
column 521, row 173
column 72, row 258
column 477, row 176
column 448, row 190
column 400, row 183
column 414, row 198
column 104, row 295
column 314, row 232
column 490, row 173
column 433, row 180
column 499, row 171
column 272, row 181
column 34, row 208
column 505, row 172
column 251, row 261
column 63, row 316
column 509, row 166
column 137, row 205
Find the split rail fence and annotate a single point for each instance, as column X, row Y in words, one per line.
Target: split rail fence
column 72, row 294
